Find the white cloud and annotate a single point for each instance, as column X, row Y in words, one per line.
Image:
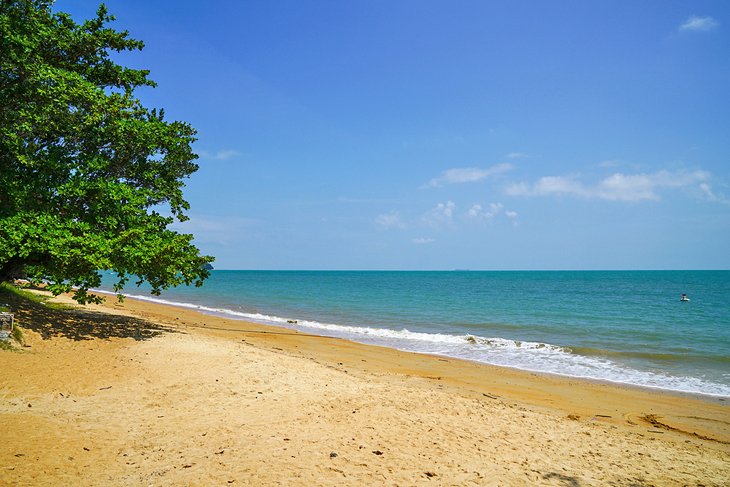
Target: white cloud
column 616, row 187
column 442, row 213
column 638, row 187
column 697, row 23
column 390, row 220
column 461, row 175
column 549, row 185
column 479, row 212
column 422, row 241
column 707, row 193
column 446, row 209
column 221, row 155
column 557, row 184
column 474, row 211
column 633, row 187
column 516, row 155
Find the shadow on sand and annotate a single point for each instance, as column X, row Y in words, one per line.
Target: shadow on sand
column 565, row 480
column 570, row 481
column 77, row 323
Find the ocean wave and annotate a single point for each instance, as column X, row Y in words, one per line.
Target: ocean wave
column 683, row 355
column 525, row 355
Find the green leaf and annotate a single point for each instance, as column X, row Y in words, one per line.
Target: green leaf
column 85, row 167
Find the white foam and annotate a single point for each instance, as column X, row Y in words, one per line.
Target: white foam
column 524, row 355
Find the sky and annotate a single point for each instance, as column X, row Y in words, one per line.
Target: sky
column 421, row 134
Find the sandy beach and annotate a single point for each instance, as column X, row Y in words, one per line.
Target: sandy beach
column 138, row 393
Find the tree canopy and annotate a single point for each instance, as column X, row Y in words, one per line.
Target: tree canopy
column 90, row 179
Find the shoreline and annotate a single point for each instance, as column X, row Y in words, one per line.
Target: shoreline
column 239, row 316
column 157, row 394
column 700, row 396
column 551, row 384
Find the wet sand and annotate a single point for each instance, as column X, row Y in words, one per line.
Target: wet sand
column 141, row 393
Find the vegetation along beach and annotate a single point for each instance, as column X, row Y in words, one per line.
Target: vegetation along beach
column 357, row 243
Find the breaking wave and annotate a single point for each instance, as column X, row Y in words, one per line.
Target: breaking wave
column 524, row 355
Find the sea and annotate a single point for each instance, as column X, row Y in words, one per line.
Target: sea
column 627, row 327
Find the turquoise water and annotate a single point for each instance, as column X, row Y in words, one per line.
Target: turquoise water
column 621, row 326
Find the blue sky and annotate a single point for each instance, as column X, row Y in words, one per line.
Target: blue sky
column 447, row 134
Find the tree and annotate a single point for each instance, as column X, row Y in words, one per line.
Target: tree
column 90, row 179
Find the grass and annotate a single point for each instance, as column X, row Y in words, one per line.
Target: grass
column 17, row 335
column 16, row 339
column 42, row 299
column 39, row 314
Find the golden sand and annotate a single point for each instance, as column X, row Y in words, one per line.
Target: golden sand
column 145, row 394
